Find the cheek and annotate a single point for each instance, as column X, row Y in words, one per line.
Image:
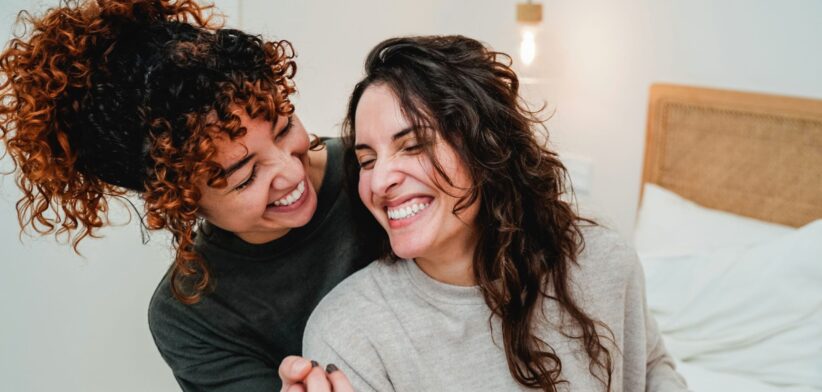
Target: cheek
column 455, row 168
column 298, row 139
column 302, row 143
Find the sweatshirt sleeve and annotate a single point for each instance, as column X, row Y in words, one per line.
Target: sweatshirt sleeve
column 198, row 365
column 661, row 374
column 332, row 337
column 660, row 370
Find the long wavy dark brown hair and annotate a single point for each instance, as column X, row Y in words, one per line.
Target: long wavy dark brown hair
column 102, row 98
column 529, row 237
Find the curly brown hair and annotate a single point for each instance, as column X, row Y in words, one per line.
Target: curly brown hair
column 102, row 98
column 529, row 237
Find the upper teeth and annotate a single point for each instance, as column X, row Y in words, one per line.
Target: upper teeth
column 292, row 197
column 406, row 211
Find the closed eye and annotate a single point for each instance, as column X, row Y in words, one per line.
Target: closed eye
column 285, row 130
column 249, row 181
column 414, row 148
column 366, row 164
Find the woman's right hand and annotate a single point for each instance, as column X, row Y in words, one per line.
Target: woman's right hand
column 301, row 375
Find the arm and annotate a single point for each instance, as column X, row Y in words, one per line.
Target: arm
column 198, row 364
column 226, row 372
column 341, row 331
column 353, row 355
column 660, row 373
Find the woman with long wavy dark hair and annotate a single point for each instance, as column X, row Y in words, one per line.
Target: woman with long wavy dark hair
column 489, row 279
column 101, row 99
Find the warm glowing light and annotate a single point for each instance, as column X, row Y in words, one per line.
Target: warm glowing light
column 528, row 47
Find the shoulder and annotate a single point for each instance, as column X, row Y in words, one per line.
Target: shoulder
column 173, row 324
column 168, row 324
column 605, row 248
column 357, row 295
column 165, row 314
column 607, row 261
column 360, row 300
column 161, row 305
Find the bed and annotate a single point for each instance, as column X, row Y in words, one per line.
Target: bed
column 729, row 232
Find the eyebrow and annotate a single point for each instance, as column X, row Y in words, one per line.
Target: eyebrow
column 238, row 165
column 397, row 136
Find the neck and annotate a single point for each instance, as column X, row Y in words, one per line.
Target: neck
column 454, row 266
column 262, row 237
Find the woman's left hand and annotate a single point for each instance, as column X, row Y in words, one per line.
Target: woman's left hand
column 301, row 375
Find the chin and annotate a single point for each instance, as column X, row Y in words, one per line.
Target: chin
column 303, row 219
column 407, row 249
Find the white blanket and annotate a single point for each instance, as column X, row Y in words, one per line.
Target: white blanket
column 752, row 310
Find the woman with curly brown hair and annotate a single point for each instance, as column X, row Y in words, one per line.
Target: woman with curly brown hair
column 488, row 280
column 104, row 98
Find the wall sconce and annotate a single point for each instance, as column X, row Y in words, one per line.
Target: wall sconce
column 529, row 15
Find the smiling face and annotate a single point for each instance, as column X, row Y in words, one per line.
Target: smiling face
column 401, row 188
column 269, row 190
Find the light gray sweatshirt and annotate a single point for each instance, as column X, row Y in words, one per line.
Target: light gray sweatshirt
column 391, row 327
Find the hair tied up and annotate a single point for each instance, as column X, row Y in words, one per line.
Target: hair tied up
column 119, row 13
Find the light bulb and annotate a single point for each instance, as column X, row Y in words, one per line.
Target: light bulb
column 527, row 47
column 529, row 16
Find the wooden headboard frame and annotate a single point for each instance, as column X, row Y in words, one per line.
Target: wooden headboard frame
column 750, row 154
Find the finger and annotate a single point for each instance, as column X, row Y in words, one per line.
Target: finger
column 338, row 379
column 295, row 388
column 293, row 370
column 316, row 381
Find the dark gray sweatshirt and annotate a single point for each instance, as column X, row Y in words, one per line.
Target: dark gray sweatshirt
column 236, row 336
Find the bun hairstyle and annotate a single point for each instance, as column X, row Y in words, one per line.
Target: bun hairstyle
column 99, row 98
column 454, row 89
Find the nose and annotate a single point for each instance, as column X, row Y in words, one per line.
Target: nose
column 386, row 175
column 288, row 171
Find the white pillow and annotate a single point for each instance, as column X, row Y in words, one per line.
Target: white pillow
column 751, row 310
column 673, row 226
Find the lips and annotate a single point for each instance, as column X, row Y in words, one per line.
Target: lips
column 406, row 210
column 291, row 197
column 399, row 201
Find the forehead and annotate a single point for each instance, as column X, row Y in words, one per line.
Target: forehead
column 229, row 151
column 379, row 114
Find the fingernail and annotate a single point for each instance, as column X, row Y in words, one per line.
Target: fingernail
column 299, row 365
column 314, row 364
column 331, row 368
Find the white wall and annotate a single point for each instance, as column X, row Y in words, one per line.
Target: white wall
column 597, row 60
column 609, row 52
column 331, row 39
column 79, row 323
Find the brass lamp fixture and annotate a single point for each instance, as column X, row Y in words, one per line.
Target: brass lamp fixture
column 529, row 16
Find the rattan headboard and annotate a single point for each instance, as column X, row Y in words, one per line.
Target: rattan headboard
column 750, row 154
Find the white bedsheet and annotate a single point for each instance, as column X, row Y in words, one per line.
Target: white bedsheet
column 704, row 380
column 754, row 311
column 740, row 309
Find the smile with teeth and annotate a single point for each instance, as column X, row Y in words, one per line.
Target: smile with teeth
column 290, row 198
column 406, row 211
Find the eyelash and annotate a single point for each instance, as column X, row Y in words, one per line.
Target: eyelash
column 253, row 176
column 285, row 130
column 366, row 163
column 413, row 149
column 247, row 182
